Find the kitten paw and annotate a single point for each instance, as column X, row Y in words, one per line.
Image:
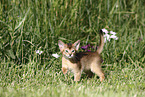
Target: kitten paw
column 64, row 70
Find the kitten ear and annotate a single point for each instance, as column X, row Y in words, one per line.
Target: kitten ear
column 77, row 44
column 61, row 45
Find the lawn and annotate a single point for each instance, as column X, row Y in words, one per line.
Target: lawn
column 27, row 26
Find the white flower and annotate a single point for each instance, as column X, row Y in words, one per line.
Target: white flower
column 39, row 52
column 113, row 33
column 55, row 55
column 114, row 37
column 104, row 40
column 117, row 6
column 107, row 37
column 105, row 31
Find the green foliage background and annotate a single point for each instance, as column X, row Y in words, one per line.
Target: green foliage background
column 30, row 25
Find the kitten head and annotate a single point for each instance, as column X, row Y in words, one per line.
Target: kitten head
column 68, row 50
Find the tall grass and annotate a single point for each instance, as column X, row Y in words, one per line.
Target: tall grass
column 30, row 25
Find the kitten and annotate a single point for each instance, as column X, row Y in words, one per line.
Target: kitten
column 88, row 62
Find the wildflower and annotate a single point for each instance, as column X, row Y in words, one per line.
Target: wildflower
column 125, row 75
column 56, row 55
column 105, row 31
column 88, row 50
column 113, row 33
column 39, row 52
column 114, row 37
column 117, row 6
column 86, row 47
column 108, row 36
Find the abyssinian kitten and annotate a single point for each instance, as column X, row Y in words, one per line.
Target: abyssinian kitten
column 88, row 62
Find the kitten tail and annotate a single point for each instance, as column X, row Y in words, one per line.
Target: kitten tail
column 100, row 48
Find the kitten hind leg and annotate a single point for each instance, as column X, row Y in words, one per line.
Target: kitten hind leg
column 97, row 70
column 89, row 73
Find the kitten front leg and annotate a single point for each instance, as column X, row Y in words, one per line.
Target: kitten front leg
column 64, row 70
column 77, row 76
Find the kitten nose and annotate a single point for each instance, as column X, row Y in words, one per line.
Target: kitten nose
column 69, row 54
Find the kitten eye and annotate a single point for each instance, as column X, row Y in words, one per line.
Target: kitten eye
column 66, row 51
column 73, row 51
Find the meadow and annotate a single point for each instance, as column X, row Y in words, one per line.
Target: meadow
column 30, row 25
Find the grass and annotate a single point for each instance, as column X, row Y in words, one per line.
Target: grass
column 26, row 81
column 27, row 26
